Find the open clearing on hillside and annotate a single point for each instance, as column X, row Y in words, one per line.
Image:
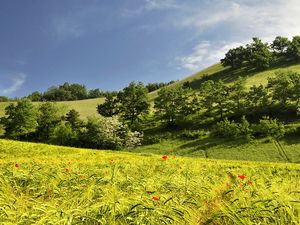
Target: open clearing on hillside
column 42, row 184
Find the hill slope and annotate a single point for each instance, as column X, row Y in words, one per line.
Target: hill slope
column 88, row 107
column 43, row 184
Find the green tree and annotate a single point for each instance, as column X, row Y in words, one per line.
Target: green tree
column 259, row 54
column 257, row 97
column 35, row 96
column 73, row 119
column 20, row 120
column 133, row 101
column 237, row 94
column 281, row 45
column 235, row 57
column 172, row 105
column 48, row 117
column 294, row 48
column 63, row 134
column 109, row 107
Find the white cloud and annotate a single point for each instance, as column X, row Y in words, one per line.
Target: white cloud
column 232, row 23
column 205, row 54
column 16, row 81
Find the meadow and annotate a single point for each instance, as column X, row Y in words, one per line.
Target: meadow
column 43, row 184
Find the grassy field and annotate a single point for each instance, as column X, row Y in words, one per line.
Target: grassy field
column 238, row 149
column 42, row 184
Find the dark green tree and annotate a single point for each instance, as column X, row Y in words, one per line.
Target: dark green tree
column 73, row 119
column 20, row 120
column 110, row 107
column 281, row 45
column 235, row 57
column 133, row 101
column 49, row 117
column 259, row 54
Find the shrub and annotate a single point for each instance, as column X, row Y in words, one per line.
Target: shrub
column 269, row 127
column 226, row 128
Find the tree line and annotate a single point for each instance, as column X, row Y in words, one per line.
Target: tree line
column 49, row 124
column 73, row 92
column 259, row 55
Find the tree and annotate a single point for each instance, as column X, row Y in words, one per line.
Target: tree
column 294, row 48
column 235, row 57
column 237, row 95
column 63, row 134
column 133, row 101
column 281, row 45
column 108, row 133
column 215, row 96
column 95, row 93
column 257, row 97
column 285, row 86
column 260, row 56
column 73, row 119
column 109, row 107
column 20, row 120
column 35, row 96
column 172, row 105
column 48, row 117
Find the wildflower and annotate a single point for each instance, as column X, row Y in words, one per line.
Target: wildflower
column 173, row 156
column 228, row 184
column 250, row 182
column 17, row 165
column 241, row 177
column 164, row 157
column 67, row 170
column 240, row 184
column 155, row 198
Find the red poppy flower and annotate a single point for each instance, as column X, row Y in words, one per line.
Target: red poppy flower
column 240, row 184
column 241, row 177
column 164, row 157
column 17, row 165
column 155, row 198
column 250, row 182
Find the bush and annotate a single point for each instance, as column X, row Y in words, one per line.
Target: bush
column 108, row 133
column 226, row 128
column 269, row 127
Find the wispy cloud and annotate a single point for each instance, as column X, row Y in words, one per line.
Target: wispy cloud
column 15, row 83
column 151, row 5
column 205, row 54
column 231, row 23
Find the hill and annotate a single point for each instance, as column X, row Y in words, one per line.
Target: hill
column 88, row 107
column 43, row 184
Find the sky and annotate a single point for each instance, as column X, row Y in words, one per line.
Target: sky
column 107, row 44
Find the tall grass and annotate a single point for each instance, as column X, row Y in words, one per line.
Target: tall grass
column 42, row 184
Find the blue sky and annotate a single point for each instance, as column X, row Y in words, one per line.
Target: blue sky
column 108, row 43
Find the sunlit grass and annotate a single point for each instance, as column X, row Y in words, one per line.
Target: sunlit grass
column 42, row 184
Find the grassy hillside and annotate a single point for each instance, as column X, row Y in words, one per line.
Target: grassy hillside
column 42, row 184
column 236, row 149
column 84, row 107
column 88, row 107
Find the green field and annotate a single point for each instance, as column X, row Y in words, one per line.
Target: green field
column 42, row 184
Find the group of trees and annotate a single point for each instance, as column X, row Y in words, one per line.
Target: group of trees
column 215, row 100
column 67, row 92
column 48, row 123
column 259, row 55
column 72, row 92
